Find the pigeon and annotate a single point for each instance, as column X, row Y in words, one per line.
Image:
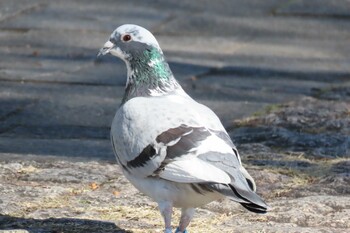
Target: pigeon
column 170, row 147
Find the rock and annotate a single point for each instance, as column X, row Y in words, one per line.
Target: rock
column 317, row 127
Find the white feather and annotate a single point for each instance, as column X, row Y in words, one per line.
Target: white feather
column 215, row 144
column 194, row 171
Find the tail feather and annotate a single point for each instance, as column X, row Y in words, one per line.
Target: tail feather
column 242, row 187
column 251, row 200
column 247, row 198
column 254, row 208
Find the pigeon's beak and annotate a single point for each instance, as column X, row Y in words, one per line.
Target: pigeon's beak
column 107, row 47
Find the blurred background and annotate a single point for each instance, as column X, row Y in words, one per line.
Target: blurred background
column 235, row 56
column 277, row 72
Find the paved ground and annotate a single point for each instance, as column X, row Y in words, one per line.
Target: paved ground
column 241, row 58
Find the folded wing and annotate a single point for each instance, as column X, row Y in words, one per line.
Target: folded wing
column 199, row 155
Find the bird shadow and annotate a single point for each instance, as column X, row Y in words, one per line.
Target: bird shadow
column 58, row 225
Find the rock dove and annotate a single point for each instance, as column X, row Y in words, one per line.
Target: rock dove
column 170, row 147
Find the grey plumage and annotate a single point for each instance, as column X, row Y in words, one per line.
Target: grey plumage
column 170, row 147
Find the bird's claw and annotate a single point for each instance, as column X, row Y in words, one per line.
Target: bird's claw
column 178, row 231
column 168, row 230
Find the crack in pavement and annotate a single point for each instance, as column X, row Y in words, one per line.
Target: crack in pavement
column 29, row 9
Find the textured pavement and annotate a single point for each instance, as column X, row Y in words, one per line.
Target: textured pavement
column 235, row 56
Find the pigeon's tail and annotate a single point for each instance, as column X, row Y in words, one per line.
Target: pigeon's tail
column 242, row 193
column 248, row 199
column 241, row 187
column 253, row 202
column 255, row 208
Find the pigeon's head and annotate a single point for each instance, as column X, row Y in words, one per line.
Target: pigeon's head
column 128, row 41
column 148, row 73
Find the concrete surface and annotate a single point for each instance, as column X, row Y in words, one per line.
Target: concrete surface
column 55, row 96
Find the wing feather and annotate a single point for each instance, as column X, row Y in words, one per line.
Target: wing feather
column 194, row 171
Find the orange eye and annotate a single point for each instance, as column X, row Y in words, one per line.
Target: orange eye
column 126, row 37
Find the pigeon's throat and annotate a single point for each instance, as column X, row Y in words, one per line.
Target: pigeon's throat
column 149, row 68
column 149, row 75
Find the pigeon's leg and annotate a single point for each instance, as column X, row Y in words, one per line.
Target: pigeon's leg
column 186, row 217
column 166, row 209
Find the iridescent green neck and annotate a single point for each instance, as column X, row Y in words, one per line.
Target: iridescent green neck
column 149, row 75
column 149, row 67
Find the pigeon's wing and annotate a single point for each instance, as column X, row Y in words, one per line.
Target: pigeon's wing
column 181, row 162
column 181, row 142
column 141, row 125
column 201, row 155
column 173, row 156
column 193, row 171
column 165, row 136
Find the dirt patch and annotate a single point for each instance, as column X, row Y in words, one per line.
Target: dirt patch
column 64, row 196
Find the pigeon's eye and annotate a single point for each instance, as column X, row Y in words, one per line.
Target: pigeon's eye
column 126, row 37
